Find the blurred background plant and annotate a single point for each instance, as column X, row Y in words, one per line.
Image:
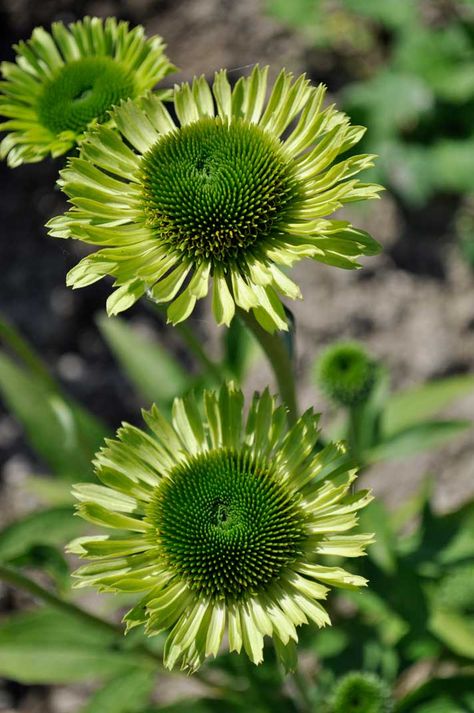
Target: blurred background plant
column 404, row 68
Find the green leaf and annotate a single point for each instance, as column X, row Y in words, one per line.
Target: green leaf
column 454, row 630
column 48, row 559
column 411, row 406
column 156, row 375
column 13, row 339
column 64, row 434
column 453, row 165
column 414, row 439
column 378, row 613
column 392, row 13
column 55, row 526
column 375, row 518
column 456, row 692
column 47, row 646
column 239, row 349
column 128, row 693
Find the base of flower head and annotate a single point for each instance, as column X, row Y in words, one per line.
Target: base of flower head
column 223, row 525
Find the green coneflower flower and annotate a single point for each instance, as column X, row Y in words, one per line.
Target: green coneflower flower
column 221, row 195
column 361, row 692
column 228, row 523
column 64, row 80
column 346, row 373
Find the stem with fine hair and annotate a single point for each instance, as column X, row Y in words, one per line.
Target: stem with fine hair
column 19, row 580
column 11, row 576
column 280, row 360
column 195, row 347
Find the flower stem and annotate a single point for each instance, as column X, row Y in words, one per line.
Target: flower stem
column 17, row 579
column 195, row 347
column 280, row 360
column 301, row 685
column 12, row 576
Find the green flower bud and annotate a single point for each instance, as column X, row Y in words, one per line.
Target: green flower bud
column 361, row 692
column 346, row 373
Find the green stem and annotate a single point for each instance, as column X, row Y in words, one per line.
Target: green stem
column 305, row 703
column 15, row 578
column 280, row 360
column 12, row 576
column 355, row 433
column 194, row 345
column 19, row 580
column 22, row 349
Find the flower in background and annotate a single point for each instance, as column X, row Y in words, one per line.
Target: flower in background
column 346, row 373
column 65, row 80
column 361, row 692
column 235, row 192
column 223, row 524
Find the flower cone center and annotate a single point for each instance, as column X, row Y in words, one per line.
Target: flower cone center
column 214, row 190
column 81, row 91
column 226, row 525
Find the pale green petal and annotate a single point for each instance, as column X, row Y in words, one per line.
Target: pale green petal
column 125, row 297
column 334, row 576
column 223, row 95
column 252, row 638
column 223, row 306
column 107, row 497
column 350, row 546
column 185, row 105
column 216, row 629
column 188, row 424
column 100, row 515
column 234, row 628
column 231, row 404
column 202, row 97
column 102, row 546
column 167, row 288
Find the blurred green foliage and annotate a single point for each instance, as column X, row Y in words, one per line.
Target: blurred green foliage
column 407, row 69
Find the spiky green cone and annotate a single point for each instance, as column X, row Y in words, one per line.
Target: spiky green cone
column 223, row 524
column 64, row 81
column 346, row 373
column 222, row 195
column 361, row 692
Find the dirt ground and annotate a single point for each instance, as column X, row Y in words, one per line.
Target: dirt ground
column 413, row 306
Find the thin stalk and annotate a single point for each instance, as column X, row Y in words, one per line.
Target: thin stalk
column 195, row 347
column 355, row 433
column 280, row 361
column 305, row 703
column 15, row 578
column 19, row 580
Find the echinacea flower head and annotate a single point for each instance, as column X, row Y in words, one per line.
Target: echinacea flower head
column 223, row 523
column 233, row 192
column 346, row 373
column 66, row 79
column 361, row 692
